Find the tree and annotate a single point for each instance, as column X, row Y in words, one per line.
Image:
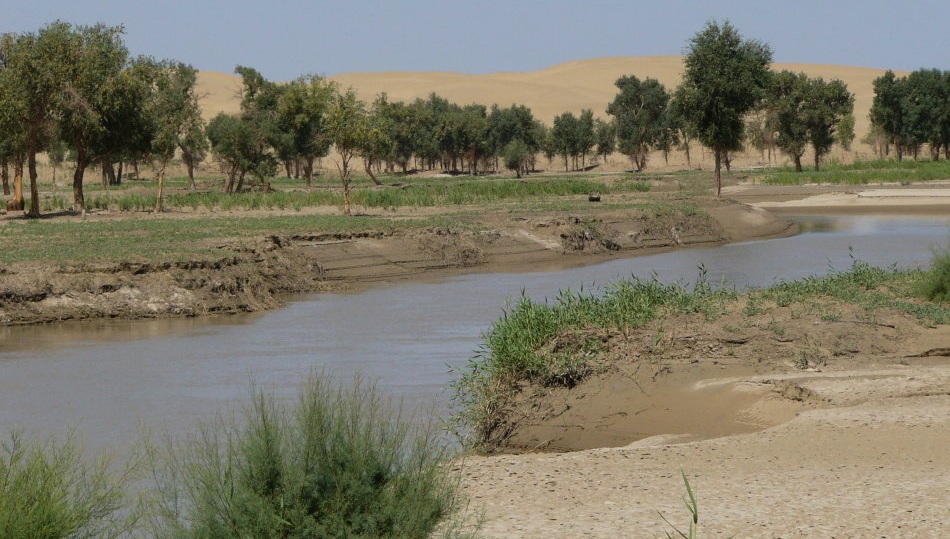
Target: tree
column 790, row 103
column 301, row 111
column 925, row 104
column 887, row 111
column 347, row 126
column 640, row 112
column 586, row 136
column 516, row 156
column 239, row 148
column 829, row 103
column 563, row 137
column 34, row 68
column 681, row 121
column 846, row 131
column 726, row 76
column 13, row 104
column 606, row 133
column 175, row 112
column 94, row 59
column 510, row 124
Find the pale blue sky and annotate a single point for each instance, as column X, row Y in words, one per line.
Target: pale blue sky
column 284, row 39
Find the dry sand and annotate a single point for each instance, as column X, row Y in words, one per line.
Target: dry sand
column 570, row 86
column 874, row 469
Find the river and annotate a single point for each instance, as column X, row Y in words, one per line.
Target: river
column 106, row 379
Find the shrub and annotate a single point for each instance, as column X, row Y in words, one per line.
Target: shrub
column 47, row 491
column 340, row 463
column 935, row 285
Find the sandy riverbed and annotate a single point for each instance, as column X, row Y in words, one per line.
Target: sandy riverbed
column 859, row 449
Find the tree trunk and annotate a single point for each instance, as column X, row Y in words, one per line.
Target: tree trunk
column 817, row 162
column 161, row 186
column 5, row 176
column 16, row 204
column 110, row 173
column 798, row 163
column 308, row 171
column 718, row 173
column 688, row 163
column 368, row 165
column 118, row 174
column 82, row 161
column 34, row 188
column 191, row 173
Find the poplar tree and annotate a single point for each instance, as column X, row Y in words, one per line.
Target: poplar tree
column 726, row 77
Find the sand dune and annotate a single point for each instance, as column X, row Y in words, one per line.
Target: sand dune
column 571, row 86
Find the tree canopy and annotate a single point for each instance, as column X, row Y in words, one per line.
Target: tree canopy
column 726, row 76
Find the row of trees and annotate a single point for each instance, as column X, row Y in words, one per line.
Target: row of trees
column 76, row 88
column 729, row 97
column 909, row 112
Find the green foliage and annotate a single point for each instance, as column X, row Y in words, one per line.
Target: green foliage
column 726, row 77
column 338, row 463
column 516, row 156
column 572, row 137
column 48, row 492
column 913, row 110
column 935, row 284
column 640, row 112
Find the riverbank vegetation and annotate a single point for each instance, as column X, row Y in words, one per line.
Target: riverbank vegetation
column 560, row 342
column 340, row 462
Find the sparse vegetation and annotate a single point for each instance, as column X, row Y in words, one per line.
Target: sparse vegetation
column 558, row 343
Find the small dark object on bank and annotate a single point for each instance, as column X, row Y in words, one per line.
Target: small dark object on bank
column 593, row 197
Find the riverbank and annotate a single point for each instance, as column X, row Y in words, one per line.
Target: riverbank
column 822, row 419
column 247, row 273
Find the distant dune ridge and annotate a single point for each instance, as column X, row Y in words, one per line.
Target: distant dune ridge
column 570, row 86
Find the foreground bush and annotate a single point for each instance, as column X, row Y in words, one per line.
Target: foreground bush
column 340, row 463
column 48, row 492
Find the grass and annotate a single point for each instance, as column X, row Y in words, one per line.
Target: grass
column 338, row 463
column 556, row 343
column 162, row 240
column 862, row 173
column 559, row 343
column 419, row 192
column 935, row 284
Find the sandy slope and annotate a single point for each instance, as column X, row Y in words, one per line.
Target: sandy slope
column 570, row 86
column 875, row 469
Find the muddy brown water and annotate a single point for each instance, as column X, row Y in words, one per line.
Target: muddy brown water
column 107, row 379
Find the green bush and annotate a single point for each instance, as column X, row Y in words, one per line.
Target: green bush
column 48, row 492
column 935, row 284
column 341, row 463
